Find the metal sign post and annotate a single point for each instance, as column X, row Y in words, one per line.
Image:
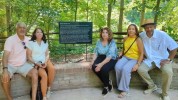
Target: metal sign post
column 86, row 52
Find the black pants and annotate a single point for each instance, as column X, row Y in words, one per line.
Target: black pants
column 103, row 74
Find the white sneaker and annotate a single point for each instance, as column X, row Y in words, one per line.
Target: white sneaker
column 48, row 93
column 44, row 98
column 150, row 90
column 165, row 98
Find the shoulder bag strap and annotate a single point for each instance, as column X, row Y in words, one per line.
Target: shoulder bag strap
column 129, row 47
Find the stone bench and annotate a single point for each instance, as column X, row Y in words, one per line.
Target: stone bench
column 77, row 75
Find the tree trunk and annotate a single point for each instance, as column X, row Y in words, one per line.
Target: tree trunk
column 121, row 15
column 87, row 9
column 8, row 17
column 142, row 15
column 48, row 26
column 109, row 13
column 76, row 7
column 157, row 11
column 47, row 32
column 3, row 20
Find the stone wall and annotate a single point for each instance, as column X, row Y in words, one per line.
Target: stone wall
column 77, row 75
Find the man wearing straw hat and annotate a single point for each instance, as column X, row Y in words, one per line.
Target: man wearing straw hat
column 160, row 50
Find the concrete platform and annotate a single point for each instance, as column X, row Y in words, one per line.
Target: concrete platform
column 95, row 94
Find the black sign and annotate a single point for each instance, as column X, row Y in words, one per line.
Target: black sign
column 75, row 32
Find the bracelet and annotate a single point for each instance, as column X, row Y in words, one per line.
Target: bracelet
column 138, row 63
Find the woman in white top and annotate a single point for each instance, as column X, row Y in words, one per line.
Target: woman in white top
column 38, row 54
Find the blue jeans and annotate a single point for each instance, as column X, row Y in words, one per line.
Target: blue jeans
column 103, row 74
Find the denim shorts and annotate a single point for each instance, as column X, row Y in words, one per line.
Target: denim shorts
column 23, row 69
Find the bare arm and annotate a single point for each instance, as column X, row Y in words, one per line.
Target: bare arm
column 141, row 50
column 172, row 53
column 29, row 56
column 5, row 75
column 46, row 56
column 122, row 52
column 5, row 58
column 100, row 65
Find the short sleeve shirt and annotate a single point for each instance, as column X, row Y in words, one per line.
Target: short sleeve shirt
column 156, row 47
column 110, row 50
column 17, row 51
column 38, row 51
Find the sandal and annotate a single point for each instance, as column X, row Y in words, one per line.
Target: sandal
column 122, row 95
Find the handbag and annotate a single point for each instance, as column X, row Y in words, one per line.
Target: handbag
column 39, row 95
column 127, row 49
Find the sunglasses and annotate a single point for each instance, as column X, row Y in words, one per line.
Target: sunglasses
column 23, row 43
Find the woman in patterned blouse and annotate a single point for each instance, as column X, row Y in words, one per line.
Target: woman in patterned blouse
column 104, row 58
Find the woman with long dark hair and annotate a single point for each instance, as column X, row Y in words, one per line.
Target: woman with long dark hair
column 132, row 56
column 38, row 54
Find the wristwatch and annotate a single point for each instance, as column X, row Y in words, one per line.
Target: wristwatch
column 35, row 63
column 169, row 59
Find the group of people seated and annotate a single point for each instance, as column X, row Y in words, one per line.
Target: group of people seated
column 30, row 58
column 141, row 52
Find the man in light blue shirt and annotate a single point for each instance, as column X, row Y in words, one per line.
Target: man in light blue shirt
column 160, row 50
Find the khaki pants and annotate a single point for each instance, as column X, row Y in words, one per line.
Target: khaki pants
column 167, row 74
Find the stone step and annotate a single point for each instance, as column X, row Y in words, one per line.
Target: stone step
column 95, row 94
column 77, row 75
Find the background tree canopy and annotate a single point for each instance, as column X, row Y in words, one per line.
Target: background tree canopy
column 116, row 14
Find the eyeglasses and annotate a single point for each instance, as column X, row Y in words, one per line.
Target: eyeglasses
column 23, row 43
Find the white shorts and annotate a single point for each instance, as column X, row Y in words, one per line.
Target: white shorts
column 23, row 69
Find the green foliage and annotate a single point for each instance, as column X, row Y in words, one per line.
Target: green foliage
column 174, row 36
column 60, row 49
column 47, row 13
column 168, row 16
column 2, row 19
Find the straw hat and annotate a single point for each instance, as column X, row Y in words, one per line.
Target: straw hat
column 148, row 22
